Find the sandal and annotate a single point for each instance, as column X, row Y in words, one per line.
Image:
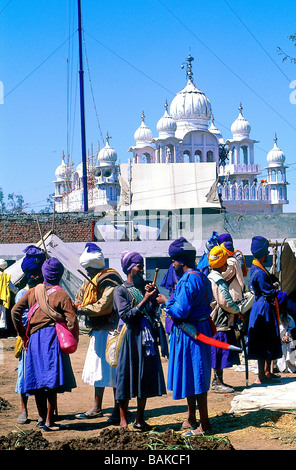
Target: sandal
column 22, row 418
column 187, row 425
column 198, row 432
column 55, row 427
column 142, row 427
column 93, row 414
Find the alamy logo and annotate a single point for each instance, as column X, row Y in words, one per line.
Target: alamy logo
column 293, row 93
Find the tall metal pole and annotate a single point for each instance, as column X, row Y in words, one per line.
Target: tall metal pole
column 82, row 114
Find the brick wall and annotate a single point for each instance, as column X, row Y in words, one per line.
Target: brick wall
column 69, row 227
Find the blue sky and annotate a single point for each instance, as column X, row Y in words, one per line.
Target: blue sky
column 135, row 51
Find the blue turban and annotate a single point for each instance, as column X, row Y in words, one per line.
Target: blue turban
column 224, row 237
column 181, row 250
column 33, row 261
column 129, row 259
column 52, row 270
column 259, row 247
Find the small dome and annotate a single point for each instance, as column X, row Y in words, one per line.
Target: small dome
column 275, row 156
column 107, row 154
column 240, row 128
column 63, row 171
column 213, row 129
column 166, row 126
column 143, row 134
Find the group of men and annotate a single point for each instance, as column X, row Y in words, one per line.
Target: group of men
column 208, row 300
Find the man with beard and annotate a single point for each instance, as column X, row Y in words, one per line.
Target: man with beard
column 95, row 301
column 264, row 342
column 189, row 370
column 139, row 371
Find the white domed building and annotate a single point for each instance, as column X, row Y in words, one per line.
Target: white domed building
column 102, row 182
column 188, row 165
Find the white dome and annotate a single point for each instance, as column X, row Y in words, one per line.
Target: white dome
column 166, row 126
column 63, row 171
column 240, row 128
column 190, row 104
column 79, row 169
column 213, row 129
column 107, row 154
column 275, row 156
column 143, row 134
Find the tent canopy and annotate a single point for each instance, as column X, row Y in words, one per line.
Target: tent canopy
column 55, row 248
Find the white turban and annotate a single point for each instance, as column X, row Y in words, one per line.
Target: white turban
column 92, row 257
column 3, row 263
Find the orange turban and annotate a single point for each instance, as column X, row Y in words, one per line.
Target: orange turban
column 217, row 257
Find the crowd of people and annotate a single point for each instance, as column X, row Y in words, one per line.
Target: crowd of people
column 204, row 304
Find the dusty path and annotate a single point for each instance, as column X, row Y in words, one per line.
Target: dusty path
column 260, row 430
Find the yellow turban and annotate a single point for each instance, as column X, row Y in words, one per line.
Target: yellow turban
column 217, row 257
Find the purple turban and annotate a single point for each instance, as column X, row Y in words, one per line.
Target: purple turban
column 224, row 237
column 52, row 271
column 181, row 250
column 282, row 297
column 33, row 261
column 229, row 246
column 129, row 259
column 259, row 247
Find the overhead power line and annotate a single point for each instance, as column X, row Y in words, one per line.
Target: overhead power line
column 227, row 66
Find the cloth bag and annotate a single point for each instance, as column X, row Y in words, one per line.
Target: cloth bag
column 113, row 345
column 18, row 347
column 68, row 342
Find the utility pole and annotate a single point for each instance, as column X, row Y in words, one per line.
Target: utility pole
column 82, row 113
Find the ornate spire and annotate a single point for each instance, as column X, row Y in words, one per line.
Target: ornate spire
column 108, row 137
column 189, row 72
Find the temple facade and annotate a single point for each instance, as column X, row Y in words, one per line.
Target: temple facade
column 186, row 133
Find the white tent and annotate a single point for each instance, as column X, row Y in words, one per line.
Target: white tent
column 55, row 248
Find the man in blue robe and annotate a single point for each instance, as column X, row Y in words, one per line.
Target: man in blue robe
column 189, row 368
column 264, row 342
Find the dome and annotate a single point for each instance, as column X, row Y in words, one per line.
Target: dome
column 191, row 104
column 213, row 129
column 275, row 156
column 63, row 171
column 107, row 154
column 240, row 128
column 143, row 134
column 166, row 126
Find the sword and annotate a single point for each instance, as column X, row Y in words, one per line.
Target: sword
column 193, row 333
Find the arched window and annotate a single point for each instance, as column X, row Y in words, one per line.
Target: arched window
column 198, row 156
column 210, row 156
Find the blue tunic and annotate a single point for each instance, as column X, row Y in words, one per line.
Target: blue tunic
column 263, row 331
column 189, row 369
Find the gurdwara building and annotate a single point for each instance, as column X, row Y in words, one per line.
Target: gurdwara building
column 188, row 165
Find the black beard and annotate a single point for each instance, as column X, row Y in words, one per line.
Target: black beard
column 139, row 282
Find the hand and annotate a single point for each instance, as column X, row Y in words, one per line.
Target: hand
column 161, row 299
column 151, row 293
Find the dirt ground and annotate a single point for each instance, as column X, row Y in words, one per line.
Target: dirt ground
column 259, row 430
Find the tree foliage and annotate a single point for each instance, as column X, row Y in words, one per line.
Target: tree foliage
column 292, row 38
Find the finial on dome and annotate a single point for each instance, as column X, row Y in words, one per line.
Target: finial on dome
column 189, row 72
column 108, row 137
column 240, row 108
column 275, row 138
column 143, row 116
column 166, row 105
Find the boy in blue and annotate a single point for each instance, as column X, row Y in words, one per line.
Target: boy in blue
column 189, row 369
column 264, row 342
